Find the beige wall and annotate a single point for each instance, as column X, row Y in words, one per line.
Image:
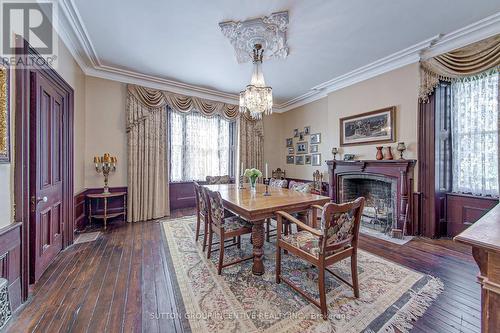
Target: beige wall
column 71, row 72
column 314, row 115
column 105, row 129
column 398, row 88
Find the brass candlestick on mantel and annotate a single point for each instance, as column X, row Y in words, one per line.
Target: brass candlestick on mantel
column 401, row 148
column 105, row 164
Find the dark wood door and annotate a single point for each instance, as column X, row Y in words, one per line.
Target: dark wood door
column 46, row 174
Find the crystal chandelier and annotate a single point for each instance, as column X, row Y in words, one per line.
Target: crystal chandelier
column 257, row 98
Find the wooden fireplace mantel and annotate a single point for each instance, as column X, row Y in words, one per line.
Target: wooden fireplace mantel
column 399, row 170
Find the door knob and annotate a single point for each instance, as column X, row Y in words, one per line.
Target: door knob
column 35, row 201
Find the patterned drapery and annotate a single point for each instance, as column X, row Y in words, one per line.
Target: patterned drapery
column 147, row 132
column 148, row 183
column 251, row 143
column 152, row 98
column 477, row 58
column 475, row 120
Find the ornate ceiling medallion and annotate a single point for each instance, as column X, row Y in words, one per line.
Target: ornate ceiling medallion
column 268, row 31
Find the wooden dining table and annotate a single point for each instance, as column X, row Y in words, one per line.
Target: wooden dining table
column 255, row 207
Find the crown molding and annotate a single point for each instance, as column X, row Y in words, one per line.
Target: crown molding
column 75, row 35
column 431, row 47
column 394, row 61
column 125, row 76
column 472, row 33
column 80, row 33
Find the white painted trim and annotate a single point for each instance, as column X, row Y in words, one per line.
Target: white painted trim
column 111, row 73
column 474, row 32
column 79, row 39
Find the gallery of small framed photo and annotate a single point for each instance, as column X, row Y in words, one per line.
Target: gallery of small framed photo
column 316, row 159
column 290, row 159
column 289, row 142
column 302, row 147
column 314, row 148
column 307, row 130
column 377, row 126
column 291, row 151
column 308, row 159
column 296, row 133
column 299, row 160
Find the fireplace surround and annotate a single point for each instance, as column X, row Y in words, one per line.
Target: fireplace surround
column 387, row 186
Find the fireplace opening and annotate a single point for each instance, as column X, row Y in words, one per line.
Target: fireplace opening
column 379, row 214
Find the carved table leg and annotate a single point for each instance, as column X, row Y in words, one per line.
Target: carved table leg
column 258, row 252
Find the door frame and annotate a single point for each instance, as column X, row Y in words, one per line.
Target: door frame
column 22, row 156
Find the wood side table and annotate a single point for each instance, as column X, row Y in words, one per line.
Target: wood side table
column 107, row 212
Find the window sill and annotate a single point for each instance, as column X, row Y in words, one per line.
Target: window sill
column 473, row 196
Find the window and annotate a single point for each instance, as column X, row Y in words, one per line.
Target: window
column 474, row 135
column 200, row 146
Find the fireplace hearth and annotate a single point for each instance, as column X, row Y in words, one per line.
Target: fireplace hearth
column 387, row 186
column 379, row 213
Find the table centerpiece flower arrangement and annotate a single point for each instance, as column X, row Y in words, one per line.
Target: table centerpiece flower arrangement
column 252, row 174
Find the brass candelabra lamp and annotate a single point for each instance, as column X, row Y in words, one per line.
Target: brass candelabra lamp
column 105, row 164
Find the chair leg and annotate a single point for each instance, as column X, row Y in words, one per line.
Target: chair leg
column 286, row 226
column 278, row 264
column 210, row 235
column 268, row 222
column 205, row 235
column 239, row 242
column 197, row 233
column 354, row 273
column 221, row 255
column 322, row 292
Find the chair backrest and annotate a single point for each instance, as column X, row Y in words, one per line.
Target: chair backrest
column 201, row 200
column 340, row 224
column 215, row 207
column 213, row 180
column 317, row 180
column 278, row 173
column 300, row 187
column 273, row 182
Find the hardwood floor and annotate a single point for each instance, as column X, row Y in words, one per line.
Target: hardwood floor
column 121, row 282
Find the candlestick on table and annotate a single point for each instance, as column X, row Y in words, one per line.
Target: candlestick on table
column 266, row 182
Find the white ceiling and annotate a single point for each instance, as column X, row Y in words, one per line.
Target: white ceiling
column 180, row 40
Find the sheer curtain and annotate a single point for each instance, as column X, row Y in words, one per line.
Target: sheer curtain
column 199, row 146
column 475, row 121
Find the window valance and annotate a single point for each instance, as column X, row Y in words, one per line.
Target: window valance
column 157, row 99
column 471, row 60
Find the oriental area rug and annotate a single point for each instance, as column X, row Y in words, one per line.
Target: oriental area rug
column 392, row 297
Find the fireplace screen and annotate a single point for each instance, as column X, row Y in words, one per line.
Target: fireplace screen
column 379, row 213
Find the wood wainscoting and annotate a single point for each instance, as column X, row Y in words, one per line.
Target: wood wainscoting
column 10, row 261
column 463, row 210
column 182, row 195
column 81, row 205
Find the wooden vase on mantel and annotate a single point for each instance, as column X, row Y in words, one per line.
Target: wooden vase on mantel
column 388, row 154
column 379, row 155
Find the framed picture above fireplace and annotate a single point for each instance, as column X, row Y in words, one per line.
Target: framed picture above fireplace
column 377, row 126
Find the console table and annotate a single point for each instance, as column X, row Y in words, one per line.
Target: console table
column 106, row 212
column 484, row 237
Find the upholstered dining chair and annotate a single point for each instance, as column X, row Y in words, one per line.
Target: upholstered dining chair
column 279, row 183
column 225, row 228
column 213, row 180
column 336, row 240
column 201, row 213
